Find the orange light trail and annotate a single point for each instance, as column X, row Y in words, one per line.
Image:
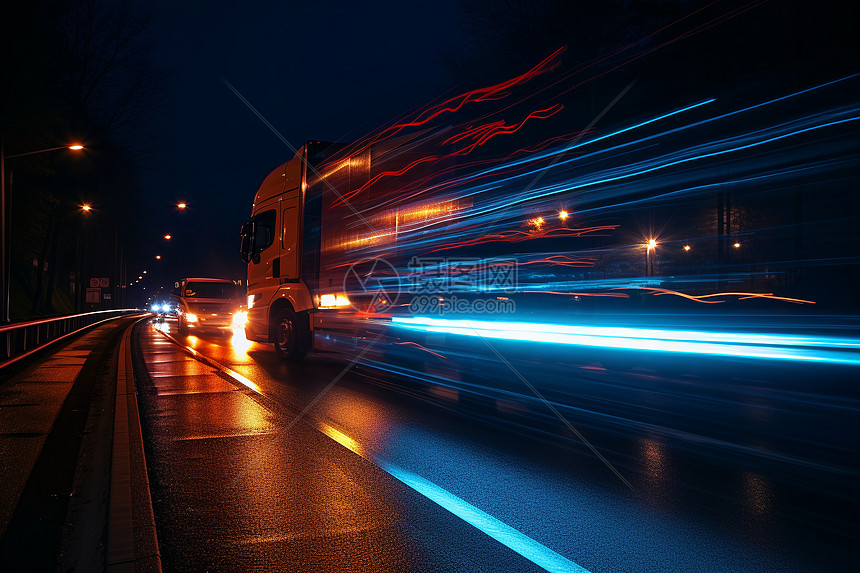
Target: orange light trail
column 562, row 261
column 741, row 295
column 602, row 294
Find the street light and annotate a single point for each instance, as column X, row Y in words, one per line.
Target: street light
column 73, row 147
column 649, row 257
column 5, row 223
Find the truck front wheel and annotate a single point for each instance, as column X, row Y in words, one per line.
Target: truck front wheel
column 291, row 335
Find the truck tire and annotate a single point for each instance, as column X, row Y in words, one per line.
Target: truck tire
column 292, row 339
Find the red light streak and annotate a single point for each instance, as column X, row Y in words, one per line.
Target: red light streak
column 484, row 133
column 519, row 236
column 489, row 93
column 415, row 344
column 345, row 197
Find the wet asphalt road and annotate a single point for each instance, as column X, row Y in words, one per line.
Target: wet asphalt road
column 381, row 475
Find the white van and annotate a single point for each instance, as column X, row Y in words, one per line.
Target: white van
column 209, row 304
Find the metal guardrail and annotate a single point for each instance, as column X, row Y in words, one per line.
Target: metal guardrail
column 21, row 339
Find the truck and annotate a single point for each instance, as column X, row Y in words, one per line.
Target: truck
column 344, row 238
column 298, row 245
column 496, row 219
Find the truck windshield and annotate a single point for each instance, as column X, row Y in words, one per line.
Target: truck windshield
column 227, row 291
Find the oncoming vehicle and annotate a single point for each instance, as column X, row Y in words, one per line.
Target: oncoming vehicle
column 162, row 309
column 209, row 304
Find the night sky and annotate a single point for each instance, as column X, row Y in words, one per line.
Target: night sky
column 338, row 71
column 315, row 70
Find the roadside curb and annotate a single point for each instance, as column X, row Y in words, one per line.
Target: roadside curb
column 132, row 542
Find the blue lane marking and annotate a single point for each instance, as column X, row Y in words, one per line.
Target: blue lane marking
column 511, row 538
column 538, row 554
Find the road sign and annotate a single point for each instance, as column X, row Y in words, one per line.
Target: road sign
column 104, row 283
column 94, row 295
column 99, row 282
column 94, row 283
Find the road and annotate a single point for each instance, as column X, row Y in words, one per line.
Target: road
column 257, row 464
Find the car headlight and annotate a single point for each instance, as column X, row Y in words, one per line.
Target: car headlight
column 190, row 317
column 239, row 319
column 155, row 308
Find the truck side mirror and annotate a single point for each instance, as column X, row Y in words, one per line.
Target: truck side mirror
column 245, row 247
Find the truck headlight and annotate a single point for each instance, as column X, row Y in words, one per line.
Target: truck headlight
column 190, row 317
column 239, row 319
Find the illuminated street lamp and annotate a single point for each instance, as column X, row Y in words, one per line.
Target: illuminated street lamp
column 563, row 215
column 86, row 207
column 651, row 245
column 73, row 147
column 181, row 205
column 167, row 237
column 5, row 224
column 686, row 247
column 157, row 257
column 737, row 245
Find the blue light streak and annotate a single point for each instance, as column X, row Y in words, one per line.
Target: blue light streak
column 758, row 346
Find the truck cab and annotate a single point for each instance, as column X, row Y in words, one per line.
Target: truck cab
column 279, row 301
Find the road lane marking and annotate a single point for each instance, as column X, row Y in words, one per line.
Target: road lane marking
column 537, row 553
column 512, row 538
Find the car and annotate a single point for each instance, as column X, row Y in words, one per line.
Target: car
column 163, row 309
column 209, row 304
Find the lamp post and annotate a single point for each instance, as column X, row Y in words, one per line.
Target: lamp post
column 120, row 255
column 6, row 223
column 650, row 246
